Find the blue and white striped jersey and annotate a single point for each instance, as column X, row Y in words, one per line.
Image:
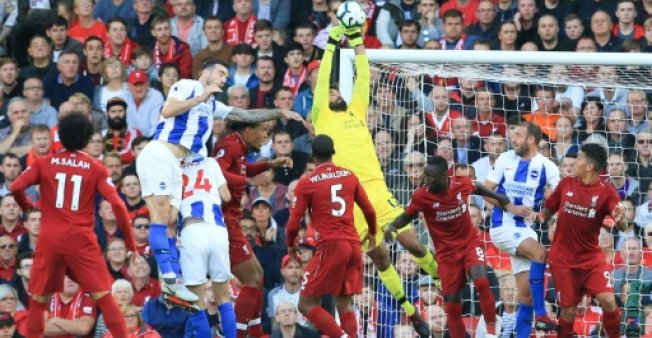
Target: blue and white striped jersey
column 192, row 128
column 524, row 182
column 201, row 198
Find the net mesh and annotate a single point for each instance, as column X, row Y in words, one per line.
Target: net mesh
column 419, row 110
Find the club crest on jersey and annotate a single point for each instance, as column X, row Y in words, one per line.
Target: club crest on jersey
column 162, row 185
column 594, row 200
column 534, row 174
column 435, row 205
column 569, row 194
column 591, row 213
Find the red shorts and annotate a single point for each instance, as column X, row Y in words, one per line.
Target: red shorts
column 573, row 283
column 335, row 268
column 453, row 270
column 240, row 250
column 88, row 270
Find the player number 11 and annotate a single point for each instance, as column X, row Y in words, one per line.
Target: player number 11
column 61, row 190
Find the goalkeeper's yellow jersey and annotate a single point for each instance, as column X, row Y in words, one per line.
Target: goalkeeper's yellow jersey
column 354, row 148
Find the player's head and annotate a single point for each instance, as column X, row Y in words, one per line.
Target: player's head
column 436, row 174
column 75, row 130
column 525, row 138
column 323, row 148
column 591, row 158
column 254, row 134
column 213, row 72
column 335, row 100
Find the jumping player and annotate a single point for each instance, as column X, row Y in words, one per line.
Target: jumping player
column 336, row 267
column 576, row 261
column 231, row 153
column 184, row 128
column 204, row 249
column 347, row 125
column 68, row 180
column 525, row 176
column 443, row 202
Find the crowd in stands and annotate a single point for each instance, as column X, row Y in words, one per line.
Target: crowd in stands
column 116, row 60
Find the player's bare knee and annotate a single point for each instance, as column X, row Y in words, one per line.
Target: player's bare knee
column 408, row 239
column 568, row 313
column 306, row 304
column 607, row 301
column 380, row 257
column 344, row 304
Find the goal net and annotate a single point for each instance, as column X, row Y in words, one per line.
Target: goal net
column 460, row 105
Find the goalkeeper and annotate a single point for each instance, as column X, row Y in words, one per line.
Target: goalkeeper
column 354, row 150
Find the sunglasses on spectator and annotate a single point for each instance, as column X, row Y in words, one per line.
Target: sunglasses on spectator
column 8, row 246
column 648, row 141
column 141, row 226
column 415, row 164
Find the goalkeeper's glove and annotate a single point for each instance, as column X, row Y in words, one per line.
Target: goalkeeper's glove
column 355, row 36
column 334, row 37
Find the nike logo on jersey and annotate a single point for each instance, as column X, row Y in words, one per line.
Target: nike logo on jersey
column 435, row 205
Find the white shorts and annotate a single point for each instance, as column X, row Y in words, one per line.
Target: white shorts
column 508, row 239
column 160, row 173
column 204, row 251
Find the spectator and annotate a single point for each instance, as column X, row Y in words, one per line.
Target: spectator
column 646, row 41
column 506, row 39
column 118, row 43
column 144, row 286
column 141, row 234
column 223, row 9
column 284, row 99
column 526, row 21
column 123, row 294
column 10, row 167
column 87, row 24
column 409, row 33
column 286, row 315
column 238, row 96
column 618, row 137
column 12, row 225
column 544, row 116
column 27, row 241
column 277, row 12
column 11, row 86
column 566, row 143
column 215, row 48
column 322, row 36
column 549, row 39
column 606, row 243
column 135, row 324
column 114, row 74
column 267, row 255
column 263, row 32
column 168, row 75
column 436, row 318
column 137, row 146
column 638, row 111
column 627, row 29
column 283, row 146
column 169, row 49
column 57, row 31
column 295, row 73
column 118, row 136
column 573, row 27
column 304, row 98
column 135, row 203
column 431, row 25
column 291, row 270
column 640, row 166
column 83, row 104
column 466, row 145
column 558, row 9
column 142, row 60
column 601, row 26
column 261, row 96
column 93, row 61
column 242, row 71
column 487, row 26
column 188, row 26
column 493, row 146
column 106, row 9
column 116, row 259
column 468, row 8
column 644, row 211
column 611, row 97
column 592, row 121
column 107, row 225
column 486, row 120
column 506, row 9
column 454, row 37
column 40, row 111
column 59, row 87
column 647, row 250
column 95, row 146
column 10, row 305
column 139, row 27
column 411, row 177
column 366, row 311
column 8, row 257
column 389, row 18
column 265, row 185
column 626, row 186
column 168, row 321
column 39, row 54
column 23, row 274
column 72, row 308
column 304, row 34
column 388, row 155
column 633, row 270
column 240, row 29
column 143, row 104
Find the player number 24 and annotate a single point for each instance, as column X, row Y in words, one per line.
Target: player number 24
column 201, row 183
column 61, row 190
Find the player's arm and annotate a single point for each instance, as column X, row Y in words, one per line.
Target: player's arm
column 107, row 190
column 297, row 211
column 321, row 95
column 360, row 99
column 617, row 212
column 226, row 157
column 260, row 115
column 399, row 222
column 501, row 201
column 254, row 169
column 551, row 205
column 73, row 327
column 220, row 180
column 180, row 101
column 28, row 178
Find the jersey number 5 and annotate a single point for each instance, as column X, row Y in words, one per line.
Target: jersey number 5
column 201, row 183
column 61, row 190
column 336, row 199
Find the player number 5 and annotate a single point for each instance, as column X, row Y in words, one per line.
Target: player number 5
column 61, row 190
column 337, row 200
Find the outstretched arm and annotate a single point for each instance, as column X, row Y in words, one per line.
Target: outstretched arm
column 322, row 89
column 401, row 221
column 261, row 115
column 501, row 201
column 360, row 99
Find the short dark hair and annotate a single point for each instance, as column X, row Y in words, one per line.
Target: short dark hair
column 93, row 38
column 167, row 66
column 266, row 58
column 292, row 47
column 263, row 25
column 210, row 62
column 140, row 51
column 75, row 130
column 595, row 153
column 243, row 48
column 279, row 133
column 10, row 156
column 303, row 25
column 161, row 18
column 39, row 128
column 114, row 20
column 452, row 14
column 571, row 17
column 408, row 23
column 544, row 88
column 25, row 255
column 139, row 216
column 437, row 163
column 39, row 36
column 283, row 89
column 138, row 140
column 57, row 21
column 532, row 130
column 31, row 211
column 240, row 126
column 69, row 52
column 214, row 18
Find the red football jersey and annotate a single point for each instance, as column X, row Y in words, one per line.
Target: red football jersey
column 231, row 155
column 447, row 216
column 69, row 182
column 329, row 193
column 582, row 209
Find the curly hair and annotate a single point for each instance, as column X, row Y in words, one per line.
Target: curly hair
column 75, row 130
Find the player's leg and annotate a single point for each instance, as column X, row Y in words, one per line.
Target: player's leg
column 570, row 285
column 478, row 274
column 453, row 280
column 525, row 308
column 422, row 256
column 347, row 317
column 566, row 321
column 113, row 319
column 194, row 256
column 38, row 305
column 225, row 307
column 245, row 267
column 220, row 274
column 322, row 319
column 47, row 276
column 610, row 314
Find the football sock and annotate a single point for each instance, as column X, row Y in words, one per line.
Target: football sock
column 392, row 282
column 200, row 327
column 537, row 270
column 244, row 306
column 174, row 255
column 158, row 241
column 113, row 318
column 487, row 303
column 565, row 329
column 611, row 322
column 255, row 324
column 35, row 319
column 524, row 321
column 227, row 316
column 427, row 263
column 456, row 327
column 324, row 322
column 349, row 323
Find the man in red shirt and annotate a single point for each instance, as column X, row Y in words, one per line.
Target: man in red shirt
column 10, row 222
column 66, row 180
column 231, row 153
column 329, row 194
column 443, row 201
column 71, row 312
column 576, row 261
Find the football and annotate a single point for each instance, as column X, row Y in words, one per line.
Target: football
column 351, row 14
